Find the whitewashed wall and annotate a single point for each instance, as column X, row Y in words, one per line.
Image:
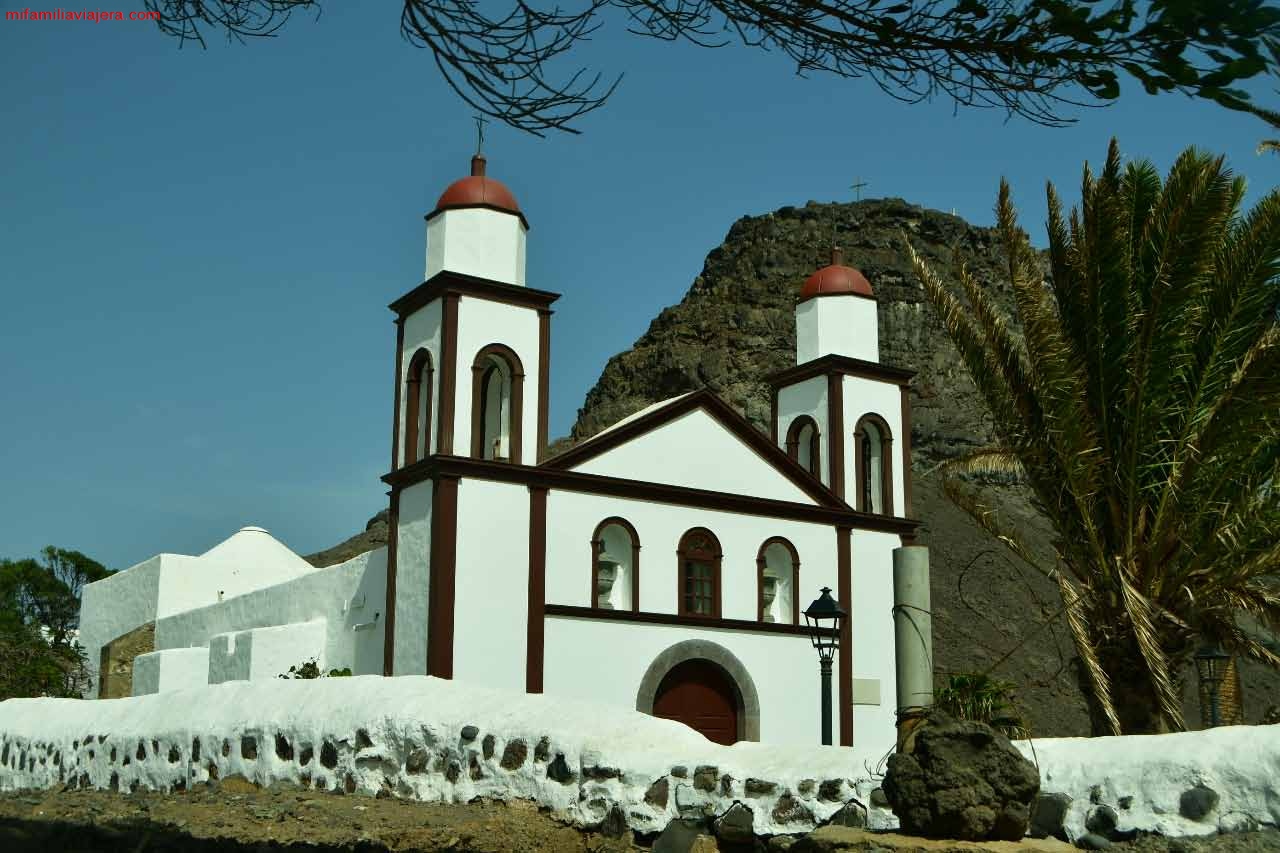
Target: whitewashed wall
column 837, row 325
column 116, row 605
column 874, row 659
column 265, row 653
column 479, row 242
column 347, row 595
column 884, row 399
column 605, row 662
column 807, row 398
column 170, row 669
column 572, row 518
column 491, row 584
column 413, row 579
column 421, row 330
column 695, row 450
column 480, row 323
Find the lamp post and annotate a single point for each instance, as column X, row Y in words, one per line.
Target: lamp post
column 1211, row 664
column 823, row 617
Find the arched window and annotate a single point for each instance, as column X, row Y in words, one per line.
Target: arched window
column 873, row 444
column 417, row 408
column 778, row 579
column 804, row 444
column 699, row 558
column 497, row 394
column 615, row 566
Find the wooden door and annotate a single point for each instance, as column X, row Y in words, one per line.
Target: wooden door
column 700, row 694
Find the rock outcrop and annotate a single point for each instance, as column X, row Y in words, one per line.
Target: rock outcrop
column 961, row 779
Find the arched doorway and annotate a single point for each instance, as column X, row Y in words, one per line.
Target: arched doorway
column 729, row 679
column 703, row 697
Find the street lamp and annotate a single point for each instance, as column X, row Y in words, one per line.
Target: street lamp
column 1211, row 664
column 823, row 617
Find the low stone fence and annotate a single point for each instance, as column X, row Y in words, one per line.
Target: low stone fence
column 1190, row 783
column 427, row 739
column 441, row 741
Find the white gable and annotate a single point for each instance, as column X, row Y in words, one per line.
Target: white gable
column 696, row 451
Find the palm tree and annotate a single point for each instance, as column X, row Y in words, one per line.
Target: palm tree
column 1141, row 406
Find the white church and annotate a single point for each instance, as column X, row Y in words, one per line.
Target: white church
column 661, row 565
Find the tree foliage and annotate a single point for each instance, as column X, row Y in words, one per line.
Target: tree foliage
column 1141, row 405
column 39, row 612
column 1032, row 58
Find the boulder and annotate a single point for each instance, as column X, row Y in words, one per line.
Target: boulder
column 735, row 825
column 961, row 779
column 1049, row 816
column 1196, row 803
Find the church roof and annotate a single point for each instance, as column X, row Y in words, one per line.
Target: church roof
column 836, row 279
column 478, row 190
column 254, row 547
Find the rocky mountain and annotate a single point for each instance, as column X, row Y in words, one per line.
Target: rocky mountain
column 736, row 325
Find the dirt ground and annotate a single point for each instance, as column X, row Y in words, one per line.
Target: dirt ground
column 235, row 815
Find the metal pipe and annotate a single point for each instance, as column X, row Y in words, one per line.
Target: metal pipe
column 826, row 701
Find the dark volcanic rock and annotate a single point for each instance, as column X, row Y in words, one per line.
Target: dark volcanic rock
column 961, row 780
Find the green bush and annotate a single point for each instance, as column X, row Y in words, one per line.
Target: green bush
column 311, row 669
column 979, row 697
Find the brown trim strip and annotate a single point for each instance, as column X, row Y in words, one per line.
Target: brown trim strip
column 842, row 364
column 835, row 435
column 535, row 652
column 648, row 618
column 722, row 412
column 773, row 414
column 906, row 451
column 444, row 560
column 595, row 484
column 389, row 626
column 448, row 372
column 845, row 596
column 457, row 284
column 544, row 382
column 395, row 414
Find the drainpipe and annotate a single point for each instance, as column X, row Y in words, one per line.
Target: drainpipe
column 913, row 636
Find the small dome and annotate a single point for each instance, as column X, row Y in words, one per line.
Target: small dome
column 836, row 280
column 477, row 190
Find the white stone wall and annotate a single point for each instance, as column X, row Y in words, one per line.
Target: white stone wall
column 479, row 242
column 696, row 451
column 482, row 322
column 572, row 518
column 807, row 398
column 413, row 579
column 579, row 758
column 170, row 669
column 421, row 331
column 884, row 399
column 874, row 658
column 837, row 325
column 266, row 653
column 349, row 597
column 116, row 605
column 491, row 584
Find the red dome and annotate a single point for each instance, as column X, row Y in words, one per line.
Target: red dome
column 476, row 190
column 836, row 280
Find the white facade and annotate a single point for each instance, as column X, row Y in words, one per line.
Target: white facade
column 668, row 557
column 837, row 325
column 479, row 242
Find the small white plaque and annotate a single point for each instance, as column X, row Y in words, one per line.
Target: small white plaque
column 866, row 691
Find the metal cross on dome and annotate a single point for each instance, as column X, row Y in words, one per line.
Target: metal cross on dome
column 857, row 186
column 481, row 121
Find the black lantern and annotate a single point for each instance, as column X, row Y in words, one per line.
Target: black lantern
column 1211, row 664
column 823, row 617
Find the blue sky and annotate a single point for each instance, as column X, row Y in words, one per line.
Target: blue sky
column 197, row 247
